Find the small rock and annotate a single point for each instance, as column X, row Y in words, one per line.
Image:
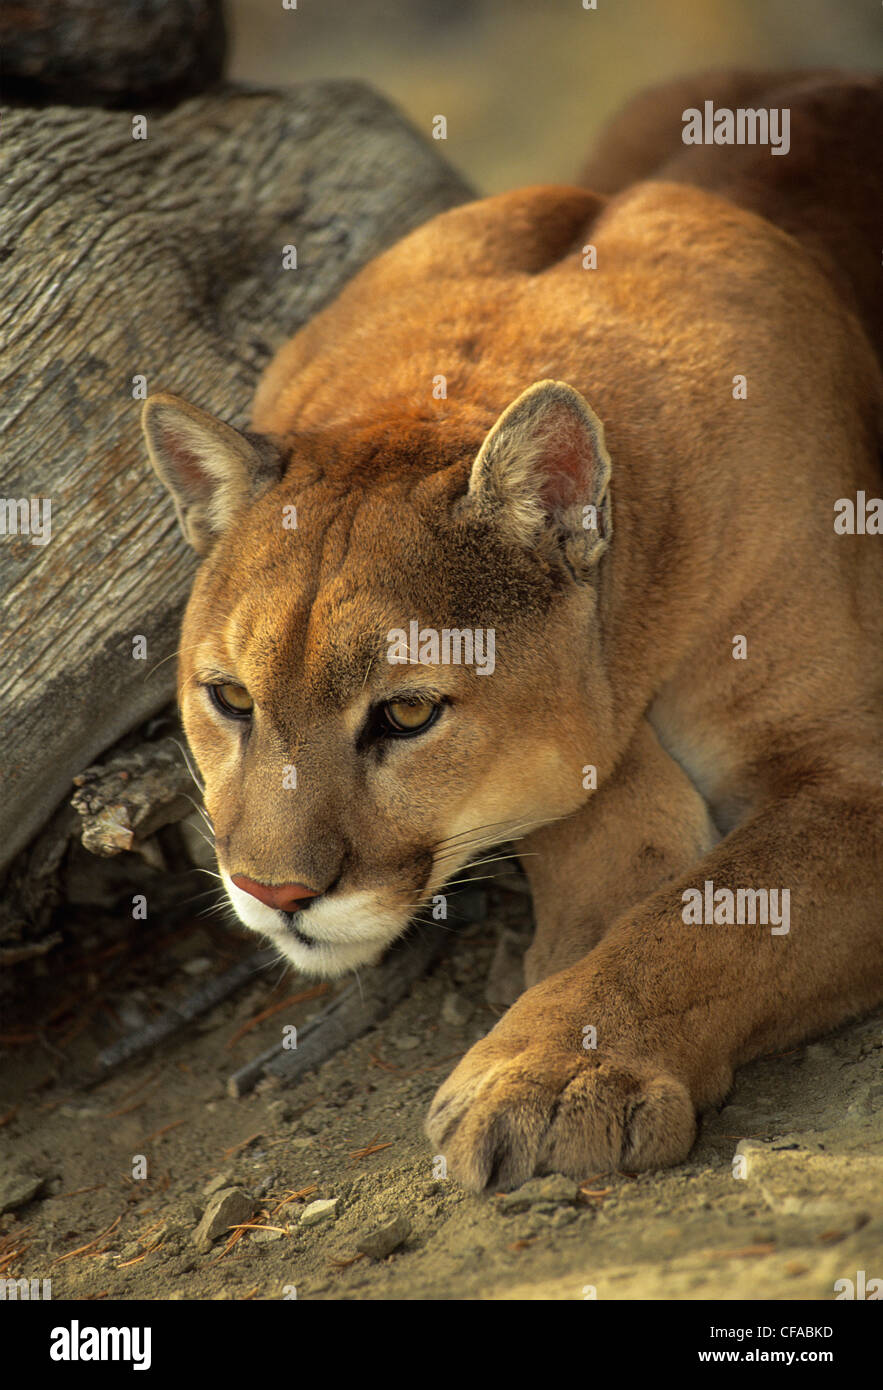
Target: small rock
column 323, row 1210
column 169, row 1230
column 17, row 1189
column 562, row 1216
column 455, row 1010
column 216, row 1183
column 406, row 1042
column 263, row 1237
column 381, row 1240
column 131, row 1014
column 266, row 1184
column 198, row 966
column 229, row 1207
column 554, row 1190
column 768, row 1159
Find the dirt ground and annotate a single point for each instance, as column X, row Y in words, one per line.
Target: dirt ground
column 807, row 1212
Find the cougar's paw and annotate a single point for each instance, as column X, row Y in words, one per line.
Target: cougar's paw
column 498, row 1121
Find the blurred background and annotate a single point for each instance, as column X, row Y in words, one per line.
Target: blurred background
column 526, row 84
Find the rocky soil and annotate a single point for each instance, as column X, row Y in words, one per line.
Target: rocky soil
column 155, row 1184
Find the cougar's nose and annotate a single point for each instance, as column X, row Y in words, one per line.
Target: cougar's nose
column 286, row 897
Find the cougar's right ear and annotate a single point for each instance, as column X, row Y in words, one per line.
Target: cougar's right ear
column 542, row 476
column 212, row 471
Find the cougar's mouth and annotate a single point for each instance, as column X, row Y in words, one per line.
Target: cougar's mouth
column 331, row 936
column 290, row 920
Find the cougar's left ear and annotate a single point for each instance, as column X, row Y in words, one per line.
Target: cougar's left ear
column 212, row 471
column 543, row 475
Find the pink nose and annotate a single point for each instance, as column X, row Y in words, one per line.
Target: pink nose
column 287, row 897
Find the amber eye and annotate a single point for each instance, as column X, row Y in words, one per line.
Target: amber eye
column 410, row 716
column 232, row 700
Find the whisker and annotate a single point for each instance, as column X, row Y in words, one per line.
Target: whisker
column 488, row 825
column 213, row 909
column 218, row 897
column 203, row 836
column 498, row 859
column 171, row 657
column 515, row 829
column 183, row 752
column 160, row 663
column 200, row 810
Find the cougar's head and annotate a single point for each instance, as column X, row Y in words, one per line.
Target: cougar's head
column 388, row 659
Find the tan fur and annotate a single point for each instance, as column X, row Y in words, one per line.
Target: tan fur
column 614, row 645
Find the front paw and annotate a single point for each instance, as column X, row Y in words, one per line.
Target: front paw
column 545, row 1108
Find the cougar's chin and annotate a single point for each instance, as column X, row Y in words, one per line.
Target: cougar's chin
column 331, row 936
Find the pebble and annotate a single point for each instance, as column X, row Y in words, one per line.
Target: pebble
column 563, row 1216
column 406, row 1042
column 380, row 1241
column 455, row 1010
column 554, row 1190
column 198, row 966
column 229, row 1207
column 323, row 1210
column 266, row 1184
column 216, row 1183
column 17, row 1189
column 131, row 1014
column 764, row 1160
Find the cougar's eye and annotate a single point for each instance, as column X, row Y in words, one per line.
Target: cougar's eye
column 410, row 716
column 232, row 700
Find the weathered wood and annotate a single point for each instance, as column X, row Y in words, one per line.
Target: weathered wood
column 127, row 799
column 110, row 52
column 161, row 259
column 200, row 1002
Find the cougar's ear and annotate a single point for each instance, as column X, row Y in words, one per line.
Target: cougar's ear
column 212, row 471
column 542, row 475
